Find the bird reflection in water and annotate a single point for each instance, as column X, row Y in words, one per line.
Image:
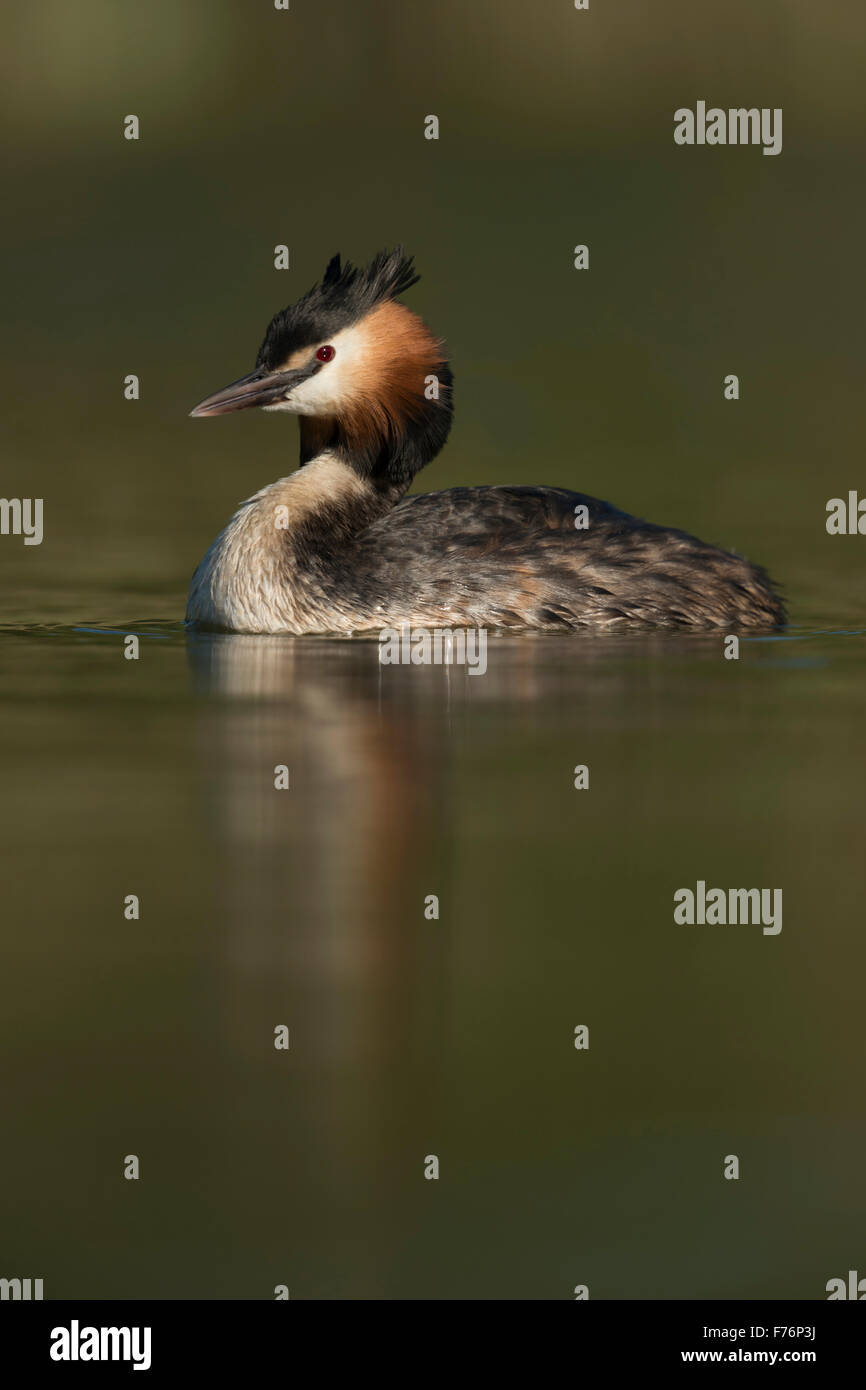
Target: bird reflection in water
column 320, row 890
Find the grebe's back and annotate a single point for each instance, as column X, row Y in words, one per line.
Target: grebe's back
column 521, row 557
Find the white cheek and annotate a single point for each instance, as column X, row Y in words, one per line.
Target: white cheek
column 320, row 395
column 334, row 382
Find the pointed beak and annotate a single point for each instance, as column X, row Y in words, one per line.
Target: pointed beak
column 258, row 388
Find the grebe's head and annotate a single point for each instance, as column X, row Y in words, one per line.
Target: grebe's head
column 367, row 375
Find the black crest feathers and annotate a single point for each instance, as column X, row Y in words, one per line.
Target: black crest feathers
column 346, row 293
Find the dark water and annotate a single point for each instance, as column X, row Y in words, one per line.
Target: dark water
column 411, row 1037
column 306, row 907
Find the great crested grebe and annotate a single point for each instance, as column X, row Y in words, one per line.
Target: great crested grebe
column 337, row 547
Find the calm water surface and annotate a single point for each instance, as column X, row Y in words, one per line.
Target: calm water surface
column 412, row 1037
column 305, row 907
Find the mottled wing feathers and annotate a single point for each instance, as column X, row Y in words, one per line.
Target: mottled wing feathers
column 512, row 557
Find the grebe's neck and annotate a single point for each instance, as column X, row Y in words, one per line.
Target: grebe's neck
column 264, row 571
column 320, row 506
column 384, row 446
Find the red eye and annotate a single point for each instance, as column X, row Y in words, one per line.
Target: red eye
column 326, row 353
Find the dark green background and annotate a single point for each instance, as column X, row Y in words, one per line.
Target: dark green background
column 306, row 907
